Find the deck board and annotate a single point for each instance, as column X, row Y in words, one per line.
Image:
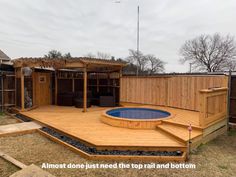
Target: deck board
column 87, row 126
column 18, row 128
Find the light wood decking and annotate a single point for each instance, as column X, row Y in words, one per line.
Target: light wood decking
column 171, row 135
column 88, row 127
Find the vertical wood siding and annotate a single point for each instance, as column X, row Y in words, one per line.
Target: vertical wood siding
column 174, row 91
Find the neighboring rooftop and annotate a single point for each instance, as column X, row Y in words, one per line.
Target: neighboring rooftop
column 4, row 57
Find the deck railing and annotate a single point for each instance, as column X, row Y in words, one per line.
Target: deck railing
column 213, row 105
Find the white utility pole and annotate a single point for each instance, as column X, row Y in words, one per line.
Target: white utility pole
column 137, row 40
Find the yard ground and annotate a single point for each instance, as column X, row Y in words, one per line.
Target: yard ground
column 217, row 158
column 5, row 119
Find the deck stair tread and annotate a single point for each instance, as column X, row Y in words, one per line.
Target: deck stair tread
column 181, row 124
column 179, row 131
column 18, row 128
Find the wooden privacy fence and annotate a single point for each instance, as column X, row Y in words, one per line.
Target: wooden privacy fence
column 173, row 91
column 7, row 89
column 213, row 105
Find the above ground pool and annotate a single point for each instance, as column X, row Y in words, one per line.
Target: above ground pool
column 138, row 113
column 136, row 118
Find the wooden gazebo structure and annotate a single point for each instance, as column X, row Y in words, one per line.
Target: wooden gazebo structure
column 54, row 69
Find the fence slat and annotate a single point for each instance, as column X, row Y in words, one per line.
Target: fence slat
column 174, row 91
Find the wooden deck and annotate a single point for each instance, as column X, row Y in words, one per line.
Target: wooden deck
column 171, row 135
column 88, row 127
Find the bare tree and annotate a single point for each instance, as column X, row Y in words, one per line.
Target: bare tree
column 103, row 55
column 210, row 53
column 53, row 54
column 90, row 55
column 138, row 59
column 156, row 65
column 67, row 55
column 57, row 54
column 146, row 64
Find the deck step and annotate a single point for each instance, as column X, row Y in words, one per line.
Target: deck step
column 181, row 124
column 180, row 132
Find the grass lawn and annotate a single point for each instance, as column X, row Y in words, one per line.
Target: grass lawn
column 217, row 158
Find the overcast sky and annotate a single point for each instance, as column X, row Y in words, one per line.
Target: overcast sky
column 30, row 28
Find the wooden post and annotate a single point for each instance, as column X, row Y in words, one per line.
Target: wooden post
column 73, row 85
column 228, row 98
column 56, row 87
column 22, row 90
column 85, row 90
column 97, row 82
column 202, row 108
column 34, row 89
column 119, row 86
column 2, row 92
column 108, row 82
column 16, row 87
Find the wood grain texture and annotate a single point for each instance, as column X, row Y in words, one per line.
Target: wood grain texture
column 174, row 91
column 170, row 135
column 213, row 105
column 42, row 91
column 88, row 127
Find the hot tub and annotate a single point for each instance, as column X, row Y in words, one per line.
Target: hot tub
column 134, row 117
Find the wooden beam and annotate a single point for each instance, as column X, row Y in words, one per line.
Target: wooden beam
column 74, row 65
column 56, row 87
column 73, row 85
column 22, row 91
column 85, row 90
column 12, row 160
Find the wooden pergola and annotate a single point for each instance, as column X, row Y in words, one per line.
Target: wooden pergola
column 82, row 64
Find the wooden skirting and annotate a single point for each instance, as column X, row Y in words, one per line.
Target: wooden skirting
column 213, row 127
column 211, row 132
column 209, row 137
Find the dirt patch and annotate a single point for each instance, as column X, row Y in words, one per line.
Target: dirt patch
column 7, row 168
column 5, row 119
column 217, row 158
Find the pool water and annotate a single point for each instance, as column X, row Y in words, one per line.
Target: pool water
column 138, row 113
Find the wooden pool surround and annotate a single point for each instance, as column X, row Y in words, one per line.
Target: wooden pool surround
column 132, row 123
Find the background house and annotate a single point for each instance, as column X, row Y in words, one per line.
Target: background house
column 4, row 58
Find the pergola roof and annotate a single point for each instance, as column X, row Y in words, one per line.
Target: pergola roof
column 92, row 64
